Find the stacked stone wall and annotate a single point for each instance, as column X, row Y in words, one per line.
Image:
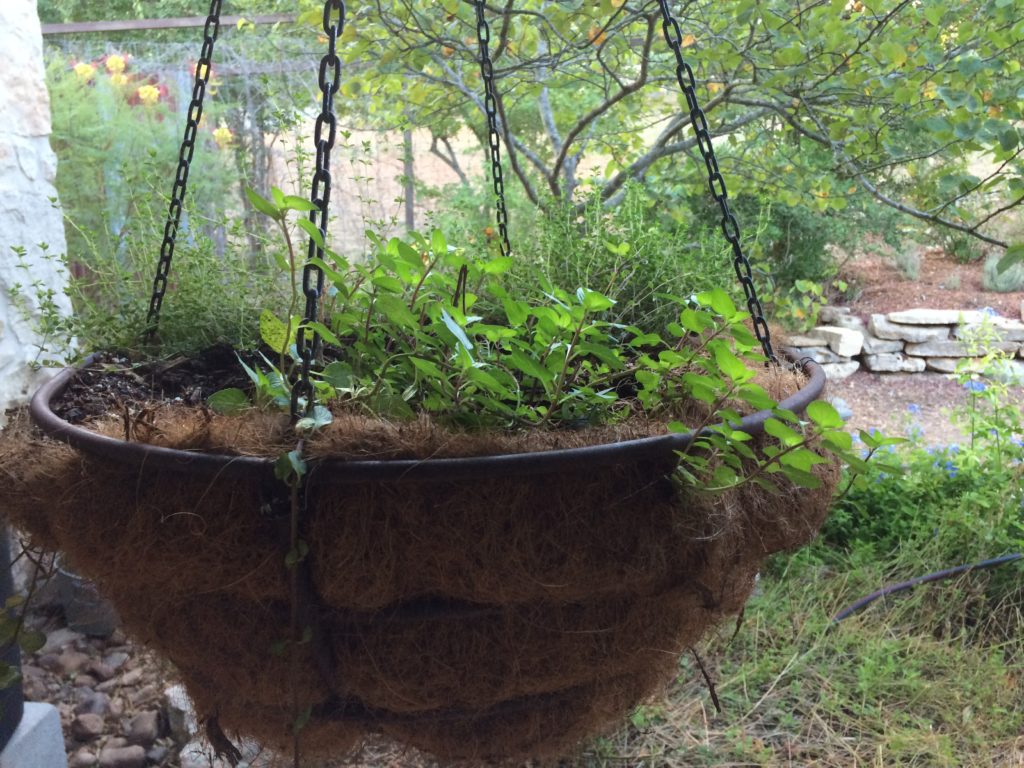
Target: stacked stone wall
column 910, row 341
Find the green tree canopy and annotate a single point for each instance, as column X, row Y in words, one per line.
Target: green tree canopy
column 915, row 104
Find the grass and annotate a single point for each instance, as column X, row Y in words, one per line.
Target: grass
column 933, row 677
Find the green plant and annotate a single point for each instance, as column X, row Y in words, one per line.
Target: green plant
column 116, row 140
column 963, row 500
column 1008, row 280
column 632, row 253
column 423, row 328
column 908, row 260
column 213, row 289
column 800, row 306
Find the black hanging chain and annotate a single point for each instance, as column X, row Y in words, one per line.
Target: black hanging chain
column 307, row 340
column 483, row 34
column 185, row 154
column 730, row 226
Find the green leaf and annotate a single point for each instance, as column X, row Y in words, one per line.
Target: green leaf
column 338, row 374
column 320, row 417
column 456, row 330
column 438, row 244
column 824, row 414
column 1013, row 255
column 593, row 301
column 229, row 401
column 838, row 440
column 324, row 332
column 31, row 640
column 719, row 301
column 289, row 465
column 297, row 554
column 731, row 365
column 295, row 203
column 515, row 311
column 313, row 231
column 786, row 435
column 529, row 366
column 273, row 331
column 428, row 367
column 261, row 204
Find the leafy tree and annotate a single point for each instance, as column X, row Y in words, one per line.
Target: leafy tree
column 813, row 102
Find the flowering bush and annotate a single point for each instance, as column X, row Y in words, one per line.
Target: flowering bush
column 965, row 498
column 116, row 136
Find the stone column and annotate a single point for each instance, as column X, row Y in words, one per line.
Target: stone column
column 28, row 216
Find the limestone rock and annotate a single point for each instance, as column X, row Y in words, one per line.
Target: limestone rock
column 817, row 354
column 58, row 639
column 852, row 322
column 942, row 364
column 809, row 339
column 876, row 346
column 893, row 362
column 843, row 341
column 181, row 717
column 936, row 316
column 831, row 315
column 839, row 371
column 882, row 328
column 954, row 348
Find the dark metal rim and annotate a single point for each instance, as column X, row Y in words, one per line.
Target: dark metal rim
column 336, row 470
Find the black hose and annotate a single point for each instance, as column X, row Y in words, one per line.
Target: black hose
column 937, row 576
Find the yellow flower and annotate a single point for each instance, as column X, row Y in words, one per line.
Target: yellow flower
column 85, row 71
column 116, row 64
column 149, row 95
column 223, row 136
column 118, row 79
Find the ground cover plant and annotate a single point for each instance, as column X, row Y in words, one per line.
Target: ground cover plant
column 928, row 677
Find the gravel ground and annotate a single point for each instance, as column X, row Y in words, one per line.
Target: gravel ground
column 883, row 400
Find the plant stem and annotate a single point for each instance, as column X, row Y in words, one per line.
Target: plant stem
column 282, row 353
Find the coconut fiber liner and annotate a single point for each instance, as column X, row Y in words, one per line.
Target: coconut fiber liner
column 498, row 618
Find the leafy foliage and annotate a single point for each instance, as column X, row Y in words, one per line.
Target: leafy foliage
column 833, row 106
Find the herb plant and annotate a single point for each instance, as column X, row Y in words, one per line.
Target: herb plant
column 424, row 327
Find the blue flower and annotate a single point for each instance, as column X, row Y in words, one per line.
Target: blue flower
column 951, row 469
column 974, row 386
column 989, row 311
column 914, row 409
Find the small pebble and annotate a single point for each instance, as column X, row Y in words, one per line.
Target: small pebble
column 87, row 727
column 83, row 758
column 144, row 729
column 122, row 757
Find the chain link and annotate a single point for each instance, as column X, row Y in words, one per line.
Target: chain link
column 188, row 147
column 730, row 226
column 307, row 341
column 483, row 34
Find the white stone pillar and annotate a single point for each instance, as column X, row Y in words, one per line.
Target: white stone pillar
column 28, row 169
column 27, row 218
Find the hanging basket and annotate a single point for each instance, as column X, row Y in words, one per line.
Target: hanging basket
column 492, row 597
column 482, row 606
